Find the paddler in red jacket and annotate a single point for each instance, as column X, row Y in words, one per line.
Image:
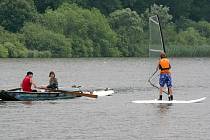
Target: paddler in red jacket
column 28, row 82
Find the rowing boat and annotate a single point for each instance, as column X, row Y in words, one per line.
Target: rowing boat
column 18, row 95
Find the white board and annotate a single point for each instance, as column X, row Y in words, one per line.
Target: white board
column 168, row 102
column 101, row 93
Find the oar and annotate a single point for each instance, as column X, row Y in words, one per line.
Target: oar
column 78, row 93
column 79, row 87
column 14, row 89
column 11, row 89
column 75, row 86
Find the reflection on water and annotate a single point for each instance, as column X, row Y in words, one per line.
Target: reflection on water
column 163, row 108
column 27, row 102
column 2, row 103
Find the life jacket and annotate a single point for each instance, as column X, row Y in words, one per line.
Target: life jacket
column 164, row 66
column 26, row 84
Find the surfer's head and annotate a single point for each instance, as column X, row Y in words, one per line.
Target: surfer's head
column 162, row 55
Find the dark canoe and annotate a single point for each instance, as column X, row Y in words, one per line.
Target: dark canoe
column 17, row 95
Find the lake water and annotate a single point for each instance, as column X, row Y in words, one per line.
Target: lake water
column 113, row 117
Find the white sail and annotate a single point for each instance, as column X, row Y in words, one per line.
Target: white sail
column 156, row 42
column 156, row 45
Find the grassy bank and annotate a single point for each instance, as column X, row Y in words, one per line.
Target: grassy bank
column 188, row 51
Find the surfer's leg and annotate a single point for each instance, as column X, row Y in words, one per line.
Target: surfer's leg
column 162, row 83
column 170, row 91
column 161, row 92
column 169, row 85
column 170, row 94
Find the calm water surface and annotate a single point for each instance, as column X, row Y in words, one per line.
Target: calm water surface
column 113, row 117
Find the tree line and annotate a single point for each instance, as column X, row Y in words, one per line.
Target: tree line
column 111, row 28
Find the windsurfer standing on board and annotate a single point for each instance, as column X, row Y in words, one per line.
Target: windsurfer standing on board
column 28, row 82
column 165, row 75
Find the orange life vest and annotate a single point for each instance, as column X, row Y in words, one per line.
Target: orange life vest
column 164, row 66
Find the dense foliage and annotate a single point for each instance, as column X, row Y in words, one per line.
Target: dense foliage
column 101, row 28
column 13, row 13
column 129, row 27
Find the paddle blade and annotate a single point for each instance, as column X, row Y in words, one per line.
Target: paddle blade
column 78, row 93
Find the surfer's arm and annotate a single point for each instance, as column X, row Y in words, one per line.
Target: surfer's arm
column 158, row 65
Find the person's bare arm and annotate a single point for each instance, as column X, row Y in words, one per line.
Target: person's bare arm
column 32, row 83
column 157, row 68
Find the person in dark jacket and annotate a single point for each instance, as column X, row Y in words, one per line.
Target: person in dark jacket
column 53, row 82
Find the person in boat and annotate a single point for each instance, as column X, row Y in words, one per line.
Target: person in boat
column 53, row 82
column 165, row 75
column 28, row 82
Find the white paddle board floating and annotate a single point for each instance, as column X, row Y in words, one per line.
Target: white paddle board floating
column 168, row 102
column 102, row 92
column 106, row 92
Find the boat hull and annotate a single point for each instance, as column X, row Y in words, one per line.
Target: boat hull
column 33, row 96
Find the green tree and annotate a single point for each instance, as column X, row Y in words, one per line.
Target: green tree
column 200, row 10
column 7, row 36
column 3, row 51
column 137, row 5
column 89, row 29
column 39, row 54
column 183, row 23
column 129, row 27
column 190, row 37
column 178, row 8
column 16, row 50
column 39, row 38
column 161, row 11
column 13, row 13
column 170, row 34
column 105, row 6
column 82, row 48
column 13, row 43
column 42, row 5
column 203, row 28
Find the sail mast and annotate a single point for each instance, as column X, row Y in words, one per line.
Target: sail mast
column 161, row 33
